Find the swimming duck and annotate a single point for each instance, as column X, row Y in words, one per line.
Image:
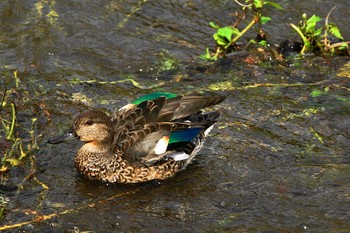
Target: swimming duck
column 154, row 137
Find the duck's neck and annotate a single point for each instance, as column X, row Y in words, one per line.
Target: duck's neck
column 103, row 148
column 93, row 160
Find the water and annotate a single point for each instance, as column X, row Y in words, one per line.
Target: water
column 278, row 160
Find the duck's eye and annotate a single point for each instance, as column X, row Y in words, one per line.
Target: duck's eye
column 89, row 122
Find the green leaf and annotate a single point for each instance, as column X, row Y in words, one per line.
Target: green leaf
column 343, row 46
column 313, row 20
column 258, row 4
column 213, row 25
column 273, row 4
column 317, row 32
column 203, row 56
column 207, row 53
column 220, row 40
column 307, row 44
column 264, row 19
column 207, row 56
column 334, row 30
column 316, row 93
column 223, row 35
column 263, row 43
column 226, row 32
column 310, row 28
column 235, row 31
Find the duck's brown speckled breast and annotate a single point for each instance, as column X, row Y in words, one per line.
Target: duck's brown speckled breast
column 114, row 169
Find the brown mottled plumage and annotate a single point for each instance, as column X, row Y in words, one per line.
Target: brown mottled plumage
column 134, row 146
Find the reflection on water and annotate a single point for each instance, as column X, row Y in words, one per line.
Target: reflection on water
column 277, row 161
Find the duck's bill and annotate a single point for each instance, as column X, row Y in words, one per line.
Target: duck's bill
column 62, row 138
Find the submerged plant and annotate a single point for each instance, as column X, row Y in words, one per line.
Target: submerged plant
column 15, row 150
column 317, row 39
column 13, row 147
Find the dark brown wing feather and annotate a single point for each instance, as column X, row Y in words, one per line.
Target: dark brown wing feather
column 138, row 128
column 138, row 144
column 177, row 108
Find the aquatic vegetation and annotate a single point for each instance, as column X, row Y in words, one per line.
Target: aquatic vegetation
column 317, row 39
column 52, row 16
column 324, row 40
column 223, row 36
column 15, row 149
column 16, row 141
column 281, row 144
column 316, row 93
column 167, row 62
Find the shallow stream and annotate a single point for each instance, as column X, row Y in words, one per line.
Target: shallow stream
column 277, row 161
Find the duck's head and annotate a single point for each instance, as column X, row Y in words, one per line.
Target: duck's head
column 92, row 127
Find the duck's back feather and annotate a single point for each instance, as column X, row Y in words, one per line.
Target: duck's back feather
column 168, row 126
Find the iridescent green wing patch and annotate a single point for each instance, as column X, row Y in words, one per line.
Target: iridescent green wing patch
column 184, row 135
column 153, row 96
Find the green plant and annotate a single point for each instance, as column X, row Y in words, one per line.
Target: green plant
column 226, row 36
column 15, row 150
column 317, row 39
column 12, row 147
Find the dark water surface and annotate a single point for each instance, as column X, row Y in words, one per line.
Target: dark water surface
column 278, row 160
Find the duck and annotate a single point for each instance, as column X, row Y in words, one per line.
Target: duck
column 152, row 138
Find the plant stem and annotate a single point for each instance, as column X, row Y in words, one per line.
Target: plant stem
column 335, row 45
column 3, row 98
column 254, row 21
column 9, row 136
column 326, row 28
column 305, row 41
